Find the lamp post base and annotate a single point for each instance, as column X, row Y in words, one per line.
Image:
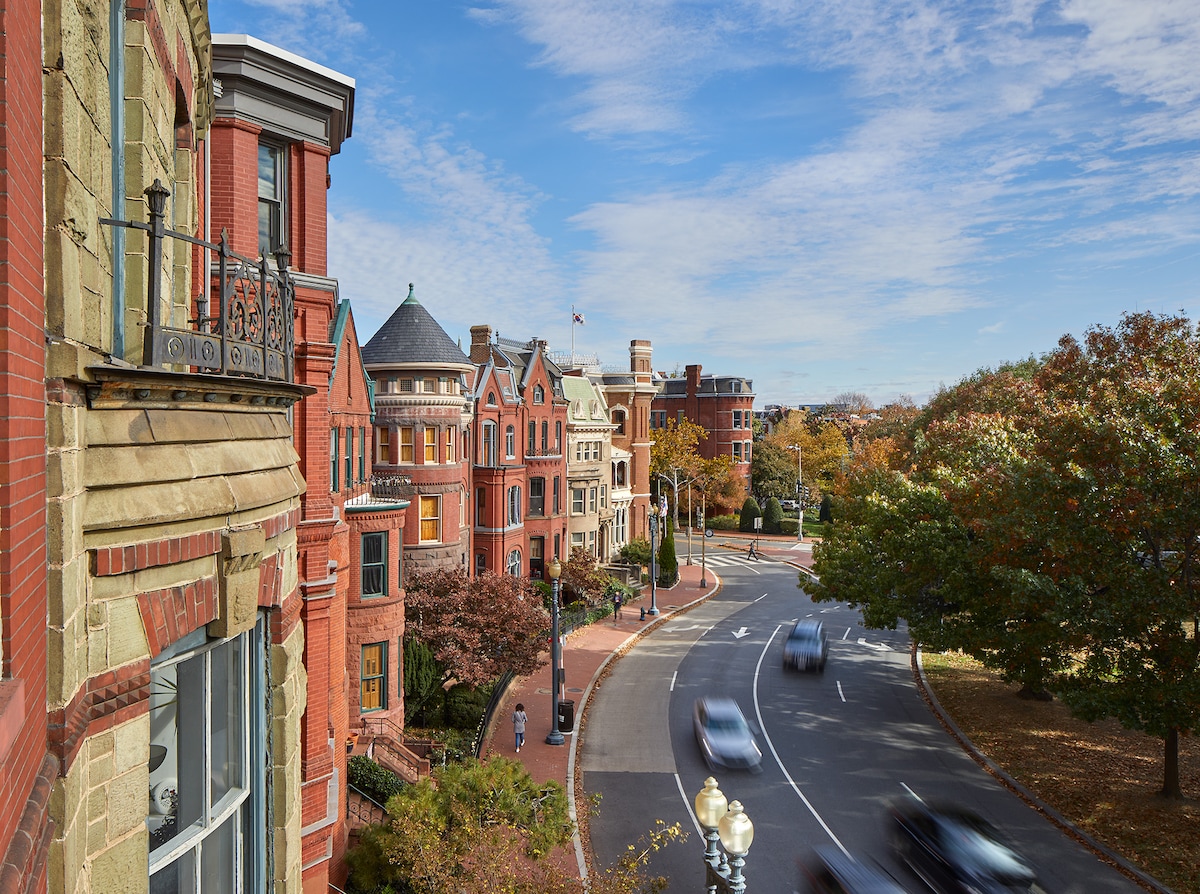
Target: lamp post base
column 555, row 738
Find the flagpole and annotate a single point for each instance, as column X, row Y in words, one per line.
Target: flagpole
column 572, row 335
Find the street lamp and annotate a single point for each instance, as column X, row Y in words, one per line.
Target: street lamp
column 555, row 737
column 725, row 822
column 703, row 542
column 653, row 570
column 799, row 490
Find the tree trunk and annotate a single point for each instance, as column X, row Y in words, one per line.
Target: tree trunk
column 1171, row 788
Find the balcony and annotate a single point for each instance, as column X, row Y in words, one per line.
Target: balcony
column 245, row 329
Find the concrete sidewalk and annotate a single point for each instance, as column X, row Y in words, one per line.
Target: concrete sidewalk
column 585, row 654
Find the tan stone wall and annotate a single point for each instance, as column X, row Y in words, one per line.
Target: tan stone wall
column 288, row 699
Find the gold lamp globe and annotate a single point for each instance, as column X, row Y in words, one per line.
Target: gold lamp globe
column 711, row 805
column 736, row 830
column 555, row 569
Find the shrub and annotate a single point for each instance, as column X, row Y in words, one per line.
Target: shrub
column 723, row 522
column 668, row 565
column 750, row 512
column 374, row 781
column 636, row 552
column 772, row 516
column 465, row 705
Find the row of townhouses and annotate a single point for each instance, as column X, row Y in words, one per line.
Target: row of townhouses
column 211, row 488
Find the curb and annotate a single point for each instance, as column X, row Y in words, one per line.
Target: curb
column 1111, row 857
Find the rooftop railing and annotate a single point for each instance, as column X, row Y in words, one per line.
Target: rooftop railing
column 250, row 330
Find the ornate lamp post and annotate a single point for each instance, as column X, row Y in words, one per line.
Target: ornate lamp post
column 653, row 570
column 723, row 822
column 555, row 737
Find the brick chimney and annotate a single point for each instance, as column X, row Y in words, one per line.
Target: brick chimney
column 639, row 356
column 481, row 344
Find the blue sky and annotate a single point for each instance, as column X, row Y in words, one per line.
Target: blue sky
column 876, row 196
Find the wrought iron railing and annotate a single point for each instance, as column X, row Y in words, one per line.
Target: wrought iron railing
column 363, row 810
column 251, row 331
column 391, row 487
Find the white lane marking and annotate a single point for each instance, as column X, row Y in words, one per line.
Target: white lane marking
column 676, row 674
column 760, row 598
column 878, row 647
column 786, row 775
column 846, row 635
column 839, row 686
column 688, row 802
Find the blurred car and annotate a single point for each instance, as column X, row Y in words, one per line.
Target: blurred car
column 723, row 734
column 788, row 504
column 830, row 871
column 806, row 647
column 956, row 851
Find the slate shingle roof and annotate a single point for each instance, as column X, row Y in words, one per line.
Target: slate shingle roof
column 412, row 335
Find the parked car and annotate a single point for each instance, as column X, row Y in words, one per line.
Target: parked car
column 806, row 646
column 788, row 504
column 830, row 871
column 723, row 734
column 956, row 851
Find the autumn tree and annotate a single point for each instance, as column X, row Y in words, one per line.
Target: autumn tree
column 675, row 456
column 583, row 577
column 823, row 450
column 477, row 628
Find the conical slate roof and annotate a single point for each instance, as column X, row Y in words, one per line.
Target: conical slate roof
column 411, row 335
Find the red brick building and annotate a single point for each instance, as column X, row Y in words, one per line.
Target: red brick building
column 27, row 770
column 722, row 405
column 279, row 119
column 422, row 431
column 519, row 488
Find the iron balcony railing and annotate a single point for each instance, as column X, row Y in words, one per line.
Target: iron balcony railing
column 251, row 330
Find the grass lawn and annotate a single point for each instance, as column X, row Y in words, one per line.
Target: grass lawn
column 1100, row 776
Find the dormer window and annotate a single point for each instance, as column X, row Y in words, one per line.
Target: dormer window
column 539, row 394
column 491, row 400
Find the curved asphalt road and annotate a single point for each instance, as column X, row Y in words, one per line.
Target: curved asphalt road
column 836, row 746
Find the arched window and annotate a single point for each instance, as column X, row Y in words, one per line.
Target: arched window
column 514, row 563
column 619, row 475
column 539, row 394
column 618, row 418
column 491, row 401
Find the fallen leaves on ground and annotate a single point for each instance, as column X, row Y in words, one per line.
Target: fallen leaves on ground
column 1102, row 777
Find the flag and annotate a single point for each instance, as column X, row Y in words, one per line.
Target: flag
column 578, row 318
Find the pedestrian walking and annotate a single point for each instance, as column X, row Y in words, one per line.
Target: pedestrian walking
column 518, row 721
column 618, row 601
column 753, row 555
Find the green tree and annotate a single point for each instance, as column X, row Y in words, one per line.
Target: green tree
column 422, row 678
column 674, row 456
column 772, row 517
column 636, row 551
column 668, row 564
column 773, row 470
column 750, row 512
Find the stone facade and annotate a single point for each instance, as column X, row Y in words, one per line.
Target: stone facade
column 589, row 469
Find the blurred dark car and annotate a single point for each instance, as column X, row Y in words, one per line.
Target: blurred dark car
column 829, row 871
column 956, row 851
column 806, row 647
column 724, row 735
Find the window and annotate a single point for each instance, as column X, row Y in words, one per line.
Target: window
column 510, row 442
column 578, row 500
column 445, row 385
column 207, row 805
column 557, row 495
column 431, row 519
column 373, row 564
column 680, row 416
column 450, row 444
column 349, row 456
column 603, row 496
column 480, row 563
column 746, row 452
column 539, row 394
column 362, row 453
column 537, row 496
column 619, row 475
column 737, row 451
column 591, row 499
column 429, row 386
column 514, row 505
column 513, row 565
column 406, row 444
column 618, row 418
column 737, row 418
column 576, row 540
column 532, row 449
column 487, row 445
column 430, row 444
column 491, row 401
column 537, row 556
column 558, row 438
column 480, row 504
column 373, row 678
column 545, row 438
column 621, row 527
column 270, row 198
column 382, row 445
column 334, row 440
column 406, row 386
column 557, row 545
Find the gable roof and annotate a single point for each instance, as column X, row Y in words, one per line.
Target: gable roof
column 343, row 318
column 411, row 335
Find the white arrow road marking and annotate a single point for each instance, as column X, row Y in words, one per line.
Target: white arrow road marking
column 878, row 647
column 740, row 633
